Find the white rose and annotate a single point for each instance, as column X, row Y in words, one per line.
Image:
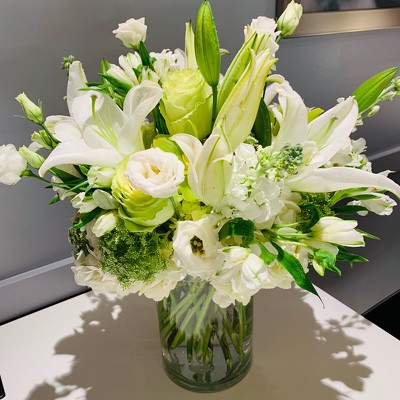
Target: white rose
column 196, row 246
column 263, row 26
column 290, row 18
column 131, row 32
column 11, row 165
column 155, row 172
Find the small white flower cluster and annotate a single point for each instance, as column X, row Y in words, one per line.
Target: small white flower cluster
column 250, row 194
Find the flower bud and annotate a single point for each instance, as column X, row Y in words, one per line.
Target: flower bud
column 33, row 159
column 105, row 223
column 187, row 103
column 290, row 18
column 206, row 44
column 131, row 32
column 32, row 111
column 104, row 200
column 100, row 176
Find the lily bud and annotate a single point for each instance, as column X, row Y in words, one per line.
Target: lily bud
column 32, row 111
column 33, row 159
column 189, row 47
column 206, row 44
column 290, row 18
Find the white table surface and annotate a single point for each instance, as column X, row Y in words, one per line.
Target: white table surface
column 94, row 348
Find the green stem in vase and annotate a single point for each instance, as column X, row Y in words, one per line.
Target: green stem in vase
column 185, row 322
column 203, row 312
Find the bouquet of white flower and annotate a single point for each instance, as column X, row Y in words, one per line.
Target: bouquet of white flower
column 197, row 189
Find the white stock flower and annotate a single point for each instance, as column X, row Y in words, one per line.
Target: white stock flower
column 161, row 285
column 168, row 61
column 87, row 273
column 196, row 246
column 241, row 276
column 11, row 165
column 155, row 172
column 131, row 32
column 338, row 231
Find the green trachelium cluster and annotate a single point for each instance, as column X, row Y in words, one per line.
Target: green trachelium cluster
column 134, row 256
column 281, row 164
column 315, row 201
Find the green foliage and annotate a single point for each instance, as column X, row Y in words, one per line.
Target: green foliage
column 262, row 125
column 132, row 256
column 345, row 255
column 368, row 93
column 326, row 260
column 78, row 240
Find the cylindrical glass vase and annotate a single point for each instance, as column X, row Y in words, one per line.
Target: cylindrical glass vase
column 205, row 348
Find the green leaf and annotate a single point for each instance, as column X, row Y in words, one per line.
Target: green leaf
column 348, row 209
column 86, row 218
column 237, row 227
column 206, row 45
column 370, row 90
column 144, row 55
column 120, row 86
column 345, row 255
column 326, row 260
column 314, row 113
column 315, row 215
column 262, row 125
column 368, row 235
column 364, row 197
column 265, row 255
column 293, row 266
column 64, row 176
column 55, row 199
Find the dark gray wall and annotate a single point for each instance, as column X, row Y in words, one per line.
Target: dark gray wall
column 35, row 35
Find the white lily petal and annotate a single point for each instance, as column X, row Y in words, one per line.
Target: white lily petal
column 78, row 152
column 139, row 102
column 102, row 129
column 338, row 178
column 64, row 128
column 76, row 81
column 331, row 130
column 293, row 125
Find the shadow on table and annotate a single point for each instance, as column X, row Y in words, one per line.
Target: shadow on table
column 116, row 358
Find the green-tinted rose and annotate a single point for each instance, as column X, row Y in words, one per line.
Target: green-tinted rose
column 187, row 103
column 139, row 211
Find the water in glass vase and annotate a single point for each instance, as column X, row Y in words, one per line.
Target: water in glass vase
column 205, row 348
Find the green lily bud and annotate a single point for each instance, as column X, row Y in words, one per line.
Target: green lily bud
column 32, row 111
column 290, row 18
column 187, row 103
column 33, row 159
column 189, row 46
column 44, row 139
column 206, row 45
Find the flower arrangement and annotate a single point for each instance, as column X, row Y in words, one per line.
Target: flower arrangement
column 176, row 171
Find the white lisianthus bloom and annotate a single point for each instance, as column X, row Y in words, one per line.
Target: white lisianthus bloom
column 241, row 276
column 155, row 172
column 290, row 18
column 196, row 246
column 11, row 165
column 338, row 231
column 131, row 32
column 266, row 26
column 105, row 223
column 161, row 285
column 83, row 203
column 87, row 273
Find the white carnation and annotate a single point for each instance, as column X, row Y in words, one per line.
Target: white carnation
column 131, row 32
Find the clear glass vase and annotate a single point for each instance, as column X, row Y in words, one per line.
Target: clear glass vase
column 205, row 348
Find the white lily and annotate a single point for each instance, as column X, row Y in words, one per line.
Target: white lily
column 328, row 133
column 107, row 133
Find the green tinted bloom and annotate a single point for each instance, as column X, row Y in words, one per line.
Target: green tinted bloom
column 187, row 103
column 139, row 211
